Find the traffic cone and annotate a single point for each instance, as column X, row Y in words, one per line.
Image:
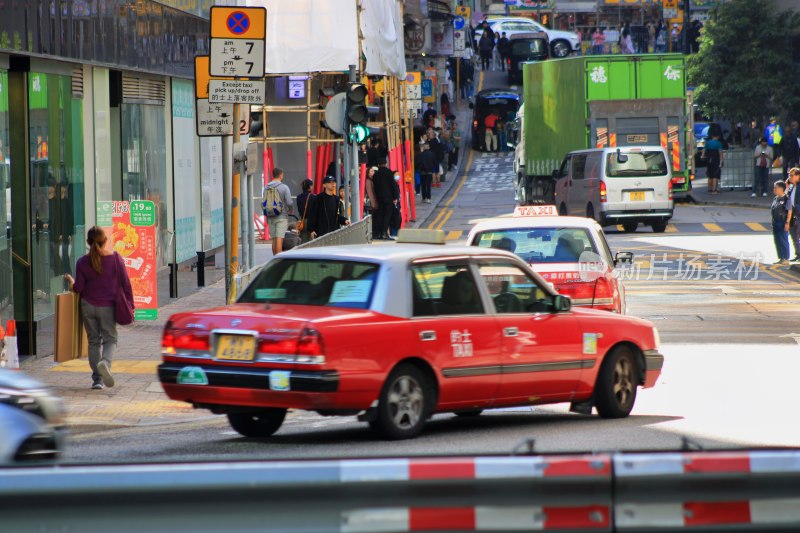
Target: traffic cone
column 11, row 328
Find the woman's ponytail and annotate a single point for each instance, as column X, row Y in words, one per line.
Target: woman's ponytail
column 96, row 239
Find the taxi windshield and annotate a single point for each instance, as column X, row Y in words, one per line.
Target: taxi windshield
column 540, row 245
column 635, row 164
column 314, row 282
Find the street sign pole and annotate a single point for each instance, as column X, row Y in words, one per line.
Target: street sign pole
column 351, row 156
column 233, row 257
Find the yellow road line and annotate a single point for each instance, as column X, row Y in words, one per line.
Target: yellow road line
column 712, row 227
column 454, row 235
column 671, row 228
column 449, row 213
column 435, row 220
column 755, row 226
column 480, row 82
column 118, row 367
column 620, row 228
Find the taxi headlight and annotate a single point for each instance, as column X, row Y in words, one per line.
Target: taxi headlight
column 656, row 338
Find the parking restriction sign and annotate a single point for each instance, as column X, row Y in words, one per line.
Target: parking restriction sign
column 238, row 22
column 238, row 41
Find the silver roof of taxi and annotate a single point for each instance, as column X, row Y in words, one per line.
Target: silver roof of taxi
column 533, row 222
column 389, row 253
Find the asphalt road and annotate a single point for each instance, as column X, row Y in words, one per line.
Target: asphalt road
column 728, row 319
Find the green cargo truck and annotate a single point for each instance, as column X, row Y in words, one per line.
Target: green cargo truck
column 601, row 101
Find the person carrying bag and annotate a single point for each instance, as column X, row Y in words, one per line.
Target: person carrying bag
column 106, row 300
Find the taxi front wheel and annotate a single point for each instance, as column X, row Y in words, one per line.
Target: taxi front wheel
column 403, row 405
column 257, row 424
column 616, row 386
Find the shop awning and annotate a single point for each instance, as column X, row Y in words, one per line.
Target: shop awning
column 588, row 6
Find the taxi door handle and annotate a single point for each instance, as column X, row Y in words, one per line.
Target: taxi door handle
column 427, row 335
column 511, row 332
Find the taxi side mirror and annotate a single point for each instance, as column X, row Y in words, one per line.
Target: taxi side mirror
column 561, row 303
column 556, row 175
column 623, row 258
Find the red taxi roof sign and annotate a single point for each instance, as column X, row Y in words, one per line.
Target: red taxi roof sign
column 535, row 211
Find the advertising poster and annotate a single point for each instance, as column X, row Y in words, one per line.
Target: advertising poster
column 184, row 147
column 131, row 231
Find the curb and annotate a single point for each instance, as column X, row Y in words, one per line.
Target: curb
column 694, row 200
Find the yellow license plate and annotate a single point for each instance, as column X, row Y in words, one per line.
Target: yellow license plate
column 637, row 196
column 236, row 347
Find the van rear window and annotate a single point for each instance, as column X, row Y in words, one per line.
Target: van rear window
column 637, row 164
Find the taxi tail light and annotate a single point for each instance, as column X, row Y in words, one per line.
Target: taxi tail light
column 310, row 347
column 581, row 292
column 603, row 297
column 281, row 345
column 603, row 192
column 175, row 339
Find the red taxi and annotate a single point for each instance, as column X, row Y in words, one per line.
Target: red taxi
column 399, row 332
column 570, row 252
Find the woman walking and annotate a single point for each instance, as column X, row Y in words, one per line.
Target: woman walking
column 100, row 275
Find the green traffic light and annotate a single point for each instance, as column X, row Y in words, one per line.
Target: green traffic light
column 359, row 133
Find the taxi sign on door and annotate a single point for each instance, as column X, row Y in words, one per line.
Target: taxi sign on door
column 238, row 22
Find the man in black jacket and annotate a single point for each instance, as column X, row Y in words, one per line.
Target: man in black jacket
column 326, row 212
column 384, row 191
column 426, row 166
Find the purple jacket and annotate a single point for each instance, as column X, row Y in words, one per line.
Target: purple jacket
column 100, row 290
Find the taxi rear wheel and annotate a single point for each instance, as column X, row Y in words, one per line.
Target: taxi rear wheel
column 615, row 391
column 404, row 404
column 257, row 424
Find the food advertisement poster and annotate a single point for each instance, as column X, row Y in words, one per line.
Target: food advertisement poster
column 131, row 231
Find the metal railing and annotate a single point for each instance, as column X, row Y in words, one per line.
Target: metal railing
column 673, row 491
column 738, row 170
column 358, row 233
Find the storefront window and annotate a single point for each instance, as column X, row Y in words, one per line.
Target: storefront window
column 6, row 287
column 144, row 165
column 57, row 177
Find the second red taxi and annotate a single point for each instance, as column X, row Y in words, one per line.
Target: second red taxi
column 399, row 332
column 570, row 252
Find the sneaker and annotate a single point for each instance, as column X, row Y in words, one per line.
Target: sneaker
column 753, row 195
column 105, row 374
column 784, row 262
column 97, row 385
column 763, row 195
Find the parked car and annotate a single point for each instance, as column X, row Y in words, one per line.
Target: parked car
column 530, row 46
column 32, row 420
column 625, row 186
column 562, row 43
column 503, row 102
column 395, row 334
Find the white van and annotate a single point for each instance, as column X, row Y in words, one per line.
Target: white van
column 624, row 185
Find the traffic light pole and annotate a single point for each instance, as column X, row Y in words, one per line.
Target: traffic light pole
column 351, row 164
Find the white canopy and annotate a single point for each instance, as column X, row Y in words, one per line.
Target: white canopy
column 322, row 35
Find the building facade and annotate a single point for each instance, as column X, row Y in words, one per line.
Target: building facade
column 96, row 104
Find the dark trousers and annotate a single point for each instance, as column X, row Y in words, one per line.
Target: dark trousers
column 794, row 232
column 781, row 237
column 376, row 230
column 425, row 181
column 760, row 178
column 453, row 157
column 385, row 216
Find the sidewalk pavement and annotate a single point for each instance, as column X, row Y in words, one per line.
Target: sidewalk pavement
column 137, row 398
column 425, row 212
column 739, row 198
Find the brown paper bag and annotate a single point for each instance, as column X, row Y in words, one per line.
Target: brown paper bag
column 70, row 338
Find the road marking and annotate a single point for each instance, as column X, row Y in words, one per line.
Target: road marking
column 432, row 225
column 755, row 226
column 449, row 213
column 620, row 228
column 712, row 227
column 454, row 235
column 480, row 82
column 671, row 228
